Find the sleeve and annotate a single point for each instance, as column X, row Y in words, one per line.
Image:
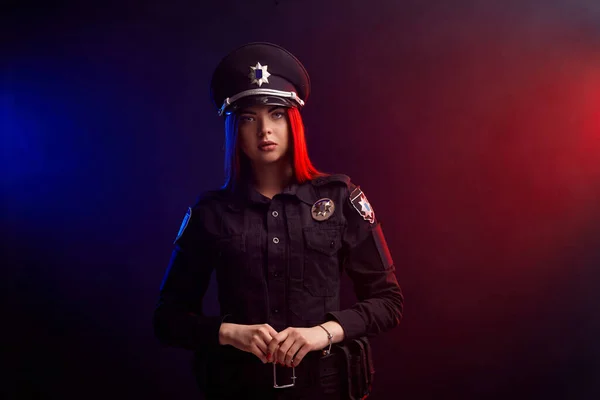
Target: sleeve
column 369, row 265
column 178, row 319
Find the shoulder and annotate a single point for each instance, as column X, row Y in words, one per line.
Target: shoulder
column 201, row 213
column 333, row 180
column 353, row 196
column 340, row 181
column 208, row 205
column 210, row 198
column 329, row 179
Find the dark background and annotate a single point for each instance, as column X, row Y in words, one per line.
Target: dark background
column 472, row 126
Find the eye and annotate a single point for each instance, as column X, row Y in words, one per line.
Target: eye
column 246, row 118
column 278, row 114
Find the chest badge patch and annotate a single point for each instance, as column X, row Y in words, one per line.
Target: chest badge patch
column 323, row 209
column 184, row 223
column 361, row 204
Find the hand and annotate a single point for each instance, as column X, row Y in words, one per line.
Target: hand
column 249, row 338
column 294, row 343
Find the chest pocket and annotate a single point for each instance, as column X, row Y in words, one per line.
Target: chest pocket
column 230, row 252
column 321, row 262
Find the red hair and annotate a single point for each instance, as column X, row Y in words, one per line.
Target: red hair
column 304, row 170
column 237, row 165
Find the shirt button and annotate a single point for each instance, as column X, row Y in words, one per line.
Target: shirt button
column 275, row 240
column 275, row 214
column 275, row 311
column 276, row 274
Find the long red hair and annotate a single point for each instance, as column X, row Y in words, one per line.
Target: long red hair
column 238, row 167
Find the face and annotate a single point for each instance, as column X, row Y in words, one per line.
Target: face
column 263, row 134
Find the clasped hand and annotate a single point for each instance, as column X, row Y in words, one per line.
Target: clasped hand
column 287, row 347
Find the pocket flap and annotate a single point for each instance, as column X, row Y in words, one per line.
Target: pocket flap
column 231, row 243
column 324, row 240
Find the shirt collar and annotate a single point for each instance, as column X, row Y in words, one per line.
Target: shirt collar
column 245, row 194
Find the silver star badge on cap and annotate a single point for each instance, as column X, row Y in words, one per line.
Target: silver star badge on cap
column 323, row 209
column 259, row 74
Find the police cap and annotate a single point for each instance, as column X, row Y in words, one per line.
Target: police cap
column 259, row 73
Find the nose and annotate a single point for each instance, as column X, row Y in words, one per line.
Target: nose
column 264, row 127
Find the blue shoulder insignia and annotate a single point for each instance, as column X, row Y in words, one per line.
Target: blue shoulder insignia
column 184, row 224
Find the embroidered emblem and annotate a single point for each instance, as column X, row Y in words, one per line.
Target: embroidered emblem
column 259, row 74
column 361, row 204
column 322, row 209
column 184, row 224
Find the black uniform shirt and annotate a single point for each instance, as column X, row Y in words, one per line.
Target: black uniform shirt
column 275, row 263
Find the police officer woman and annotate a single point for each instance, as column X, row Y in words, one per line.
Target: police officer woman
column 279, row 234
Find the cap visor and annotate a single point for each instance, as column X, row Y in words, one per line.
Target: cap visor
column 250, row 101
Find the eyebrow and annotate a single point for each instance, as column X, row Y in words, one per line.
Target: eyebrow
column 253, row 113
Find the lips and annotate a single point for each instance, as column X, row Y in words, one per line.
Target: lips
column 265, row 144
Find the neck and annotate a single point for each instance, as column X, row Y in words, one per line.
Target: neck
column 270, row 179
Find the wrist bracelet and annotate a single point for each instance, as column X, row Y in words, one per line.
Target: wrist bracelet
column 327, row 351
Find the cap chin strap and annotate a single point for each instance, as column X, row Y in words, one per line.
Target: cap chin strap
column 254, row 92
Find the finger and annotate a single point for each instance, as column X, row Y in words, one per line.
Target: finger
column 262, row 339
column 270, row 330
column 284, row 345
column 291, row 353
column 260, row 343
column 258, row 353
column 299, row 356
column 283, row 349
column 265, row 335
column 272, row 333
column 275, row 341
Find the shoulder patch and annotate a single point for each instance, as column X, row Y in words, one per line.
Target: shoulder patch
column 184, row 224
column 361, row 204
